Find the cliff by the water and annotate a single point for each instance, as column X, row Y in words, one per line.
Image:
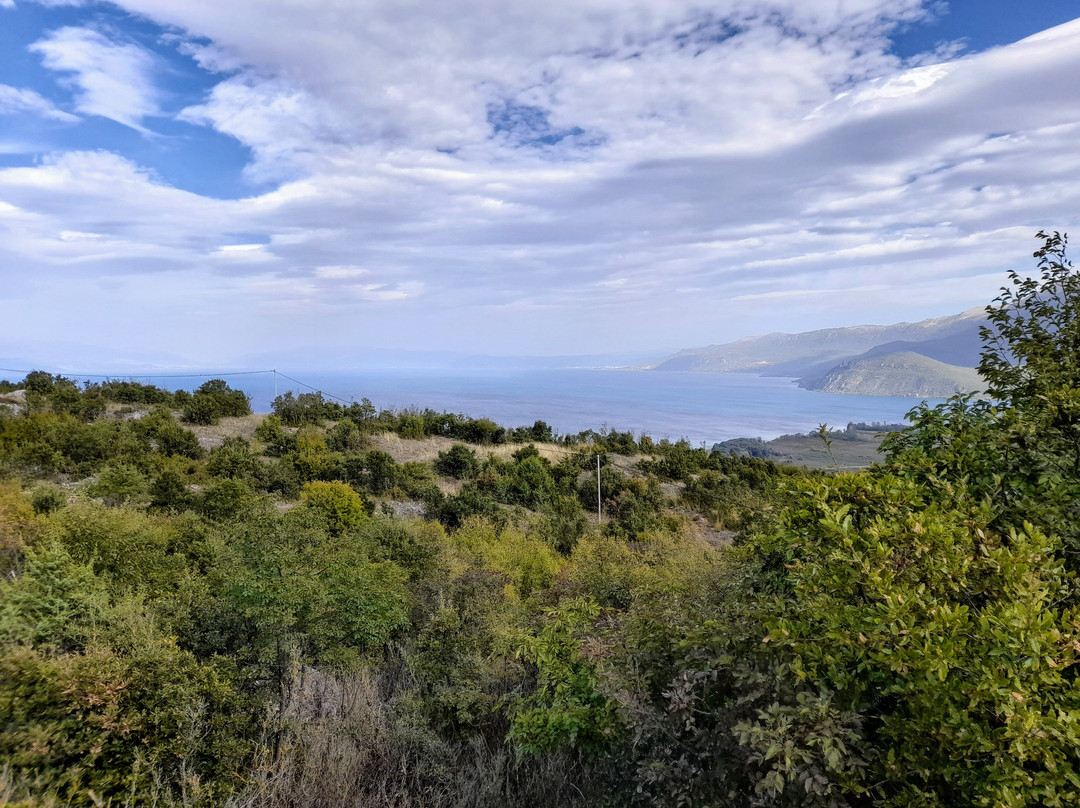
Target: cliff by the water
column 896, row 374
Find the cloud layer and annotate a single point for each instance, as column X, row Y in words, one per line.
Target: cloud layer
column 556, row 177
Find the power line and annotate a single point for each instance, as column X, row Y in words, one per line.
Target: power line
column 313, row 389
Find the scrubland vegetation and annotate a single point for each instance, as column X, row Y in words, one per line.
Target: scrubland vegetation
column 255, row 623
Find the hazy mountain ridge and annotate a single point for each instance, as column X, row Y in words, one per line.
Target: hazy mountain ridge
column 862, row 359
column 783, row 354
column 897, row 374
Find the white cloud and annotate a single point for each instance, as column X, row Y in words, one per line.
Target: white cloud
column 114, row 80
column 15, row 100
column 804, row 175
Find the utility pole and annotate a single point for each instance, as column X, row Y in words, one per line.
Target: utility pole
column 599, row 515
column 275, row 382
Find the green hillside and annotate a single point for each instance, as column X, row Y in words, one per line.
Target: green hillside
column 897, row 374
column 337, row 606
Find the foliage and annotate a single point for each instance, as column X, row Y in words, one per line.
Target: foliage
column 303, row 589
column 118, row 482
column 375, row 471
column 904, row 636
column 946, row 648
column 46, row 498
column 1020, row 448
column 271, row 432
column 459, row 462
column 297, row 410
column 568, row 708
column 343, row 508
column 529, row 563
column 99, row 726
column 126, row 547
column 345, row 437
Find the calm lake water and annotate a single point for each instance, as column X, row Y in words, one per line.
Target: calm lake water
column 702, row 407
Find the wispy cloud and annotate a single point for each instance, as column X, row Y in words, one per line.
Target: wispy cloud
column 111, row 79
column 550, row 172
column 15, row 100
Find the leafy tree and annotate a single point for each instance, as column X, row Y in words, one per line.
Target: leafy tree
column 343, row 508
column 293, row 410
column 274, row 437
column 568, row 708
column 345, row 437
column 1021, row 448
column 459, row 462
column 201, row 409
column 227, row 401
column 948, row 670
column 541, row 432
column 234, row 459
column 40, row 382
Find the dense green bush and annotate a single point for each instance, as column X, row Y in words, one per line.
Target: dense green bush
column 297, row 410
column 46, row 498
column 214, row 400
column 459, row 462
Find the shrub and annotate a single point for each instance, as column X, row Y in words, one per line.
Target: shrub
column 345, row 437
column 293, row 410
column 459, row 462
column 46, row 498
column 568, row 710
column 224, row 499
column 343, row 508
column 201, row 409
column 274, row 437
column 118, row 483
column 234, row 459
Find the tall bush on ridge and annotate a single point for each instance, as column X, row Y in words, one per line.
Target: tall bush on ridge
column 909, row 635
column 1021, row 448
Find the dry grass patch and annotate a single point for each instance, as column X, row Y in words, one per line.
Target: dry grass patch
column 548, row 451
column 214, row 435
column 406, row 450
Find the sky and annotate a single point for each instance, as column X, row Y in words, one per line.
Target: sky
column 194, row 183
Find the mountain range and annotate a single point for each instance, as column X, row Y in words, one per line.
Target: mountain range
column 932, row 358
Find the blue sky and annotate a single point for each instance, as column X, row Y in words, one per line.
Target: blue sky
column 197, row 183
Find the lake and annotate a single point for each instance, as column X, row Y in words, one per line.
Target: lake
column 702, row 407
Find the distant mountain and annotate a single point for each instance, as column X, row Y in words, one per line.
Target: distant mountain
column 897, row 374
column 331, row 359
column 952, row 340
column 75, row 358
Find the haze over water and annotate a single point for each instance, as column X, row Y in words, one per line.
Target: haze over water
column 702, row 407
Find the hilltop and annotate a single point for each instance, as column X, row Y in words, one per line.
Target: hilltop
column 862, row 359
column 904, row 373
